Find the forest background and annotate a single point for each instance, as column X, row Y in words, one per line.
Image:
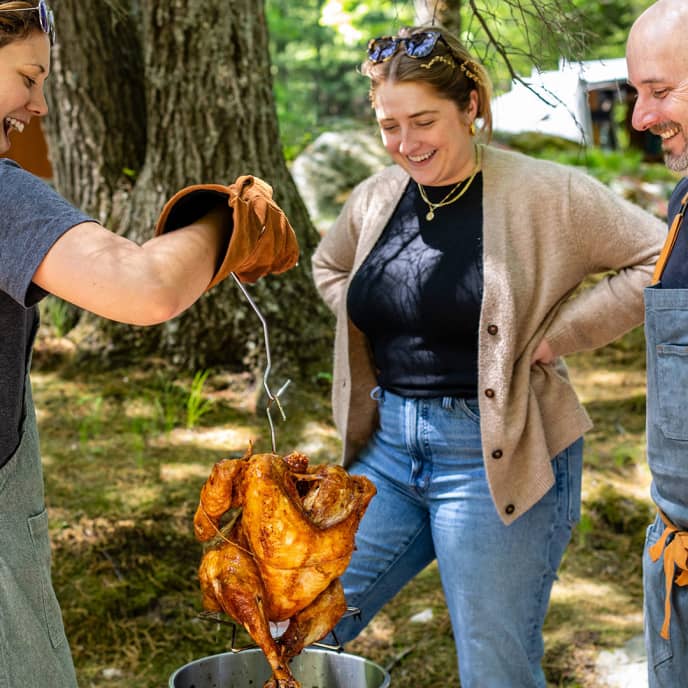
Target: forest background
column 148, row 96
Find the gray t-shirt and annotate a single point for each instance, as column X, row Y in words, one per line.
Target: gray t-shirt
column 32, row 217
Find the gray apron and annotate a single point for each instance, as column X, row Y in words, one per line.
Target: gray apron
column 34, row 652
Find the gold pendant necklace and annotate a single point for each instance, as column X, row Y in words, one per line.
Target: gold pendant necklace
column 450, row 197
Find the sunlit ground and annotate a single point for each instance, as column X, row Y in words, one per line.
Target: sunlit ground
column 124, row 469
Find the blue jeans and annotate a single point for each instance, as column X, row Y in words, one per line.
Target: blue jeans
column 433, row 501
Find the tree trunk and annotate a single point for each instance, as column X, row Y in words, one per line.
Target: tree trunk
column 446, row 13
column 96, row 126
column 203, row 71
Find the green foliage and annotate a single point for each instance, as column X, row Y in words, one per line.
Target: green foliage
column 620, row 513
column 59, row 314
column 196, row 404
column 622, row 171
column 584, row 529
column 324, row 377
column 169, row 402
column 605, row 165
column 610, row 20
column 540, row 145
column 91, row 422
column 316, row 47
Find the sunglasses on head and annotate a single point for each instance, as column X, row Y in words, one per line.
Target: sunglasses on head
column 417, row 45
column 46, row 18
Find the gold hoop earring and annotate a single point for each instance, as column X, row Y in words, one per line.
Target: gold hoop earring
column 471, row 129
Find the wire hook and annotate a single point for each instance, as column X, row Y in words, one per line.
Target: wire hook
column 272, row 398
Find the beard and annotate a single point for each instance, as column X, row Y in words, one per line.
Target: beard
column 677, row 163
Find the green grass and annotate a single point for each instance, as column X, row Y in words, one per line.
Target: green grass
column 123, row 474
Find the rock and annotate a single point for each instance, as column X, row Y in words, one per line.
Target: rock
column 422, row 617
column 625, row 667
column 112, row 674
column 327, row 170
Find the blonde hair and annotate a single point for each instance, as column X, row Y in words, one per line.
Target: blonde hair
column 17, row 25
column 449, row 69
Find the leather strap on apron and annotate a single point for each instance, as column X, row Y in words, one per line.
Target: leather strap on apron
column 674, row 544
column 670, row 241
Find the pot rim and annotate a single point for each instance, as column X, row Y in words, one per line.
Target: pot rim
column 309, row 651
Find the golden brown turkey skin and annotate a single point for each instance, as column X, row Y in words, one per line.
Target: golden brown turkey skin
column 230, row 581
column 281, row 556
column 221, row 491
column 314, row 622
column 297, row 557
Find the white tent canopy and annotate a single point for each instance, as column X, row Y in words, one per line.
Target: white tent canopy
column 562, row 108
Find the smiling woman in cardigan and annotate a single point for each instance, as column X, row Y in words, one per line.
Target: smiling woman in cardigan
column 455, row 276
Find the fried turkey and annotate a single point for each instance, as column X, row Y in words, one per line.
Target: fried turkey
column 280, row 534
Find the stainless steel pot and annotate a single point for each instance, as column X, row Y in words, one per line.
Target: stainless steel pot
column 249, row 669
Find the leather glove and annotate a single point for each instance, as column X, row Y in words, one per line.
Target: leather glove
column 260, row 239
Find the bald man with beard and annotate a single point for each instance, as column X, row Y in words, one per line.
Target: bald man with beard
column 657, row 57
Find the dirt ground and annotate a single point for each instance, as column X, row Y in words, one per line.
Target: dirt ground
column 123, row 471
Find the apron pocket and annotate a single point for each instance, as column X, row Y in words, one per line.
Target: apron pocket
column 38, row 528
column 672, row 381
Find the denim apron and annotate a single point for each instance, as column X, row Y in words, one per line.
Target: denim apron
column 665, row 574
column 34, row 652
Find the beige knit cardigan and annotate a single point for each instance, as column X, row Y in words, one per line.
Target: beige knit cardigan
column 546, row 227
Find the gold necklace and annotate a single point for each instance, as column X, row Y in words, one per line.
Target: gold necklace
column 448, row 199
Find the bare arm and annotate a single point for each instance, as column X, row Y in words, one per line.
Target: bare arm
column 116, row 278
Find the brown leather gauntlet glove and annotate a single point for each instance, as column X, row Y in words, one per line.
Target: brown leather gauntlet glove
column 260, row 239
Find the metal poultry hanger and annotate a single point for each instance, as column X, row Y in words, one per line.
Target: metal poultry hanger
column 216, row 617
column 275, row 629
column 272, row 398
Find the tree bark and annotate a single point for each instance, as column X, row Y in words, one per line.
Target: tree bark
column 446, row 13
column 97, row 118
column 203, row 71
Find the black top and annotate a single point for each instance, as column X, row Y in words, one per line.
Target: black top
column 675, row 275
column 417, row 295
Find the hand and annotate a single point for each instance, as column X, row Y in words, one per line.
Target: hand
column 543, row 354
column 258, row 237
column 263, row 241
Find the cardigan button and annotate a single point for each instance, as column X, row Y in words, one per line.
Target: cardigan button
column 497, row 454
column 489, row 393
column 492, row 329
column 510, row 508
